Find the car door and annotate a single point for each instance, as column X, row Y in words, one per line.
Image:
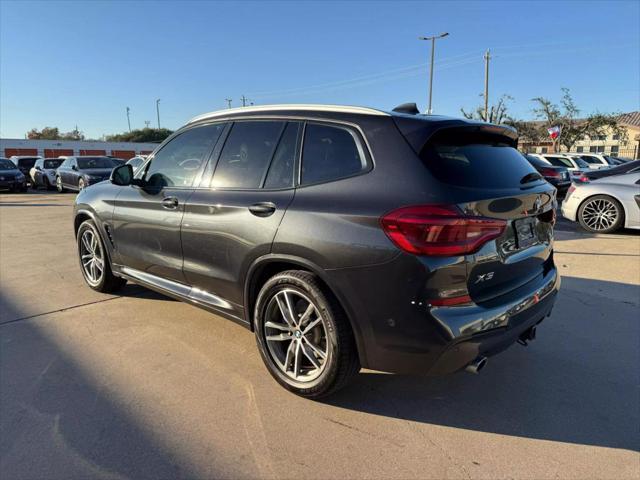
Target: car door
column 62, row 169
column 147, row 215
column 232, row 219
column 70, row 176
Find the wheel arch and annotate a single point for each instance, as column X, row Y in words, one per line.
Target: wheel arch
column 83, row 214
column 605, row 194
column 266, row 266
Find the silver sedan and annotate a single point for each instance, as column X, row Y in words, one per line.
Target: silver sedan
column 605, row 205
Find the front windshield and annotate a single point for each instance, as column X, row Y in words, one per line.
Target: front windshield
column 51, row 164
column 94, row 162
column 7, row 165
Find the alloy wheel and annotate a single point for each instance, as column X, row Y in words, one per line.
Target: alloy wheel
column 91, row 257
column 599, row 214
column 296, row 335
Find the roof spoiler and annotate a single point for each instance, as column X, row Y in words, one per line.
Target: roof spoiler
column 408, row 108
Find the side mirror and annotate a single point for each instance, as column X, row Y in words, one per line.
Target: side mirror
column 38, row 167
column 122, row 175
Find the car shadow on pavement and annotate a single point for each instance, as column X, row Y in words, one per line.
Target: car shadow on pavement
column 59, row 421
column 577, row 382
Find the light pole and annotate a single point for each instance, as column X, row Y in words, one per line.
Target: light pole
column 128, row 120
column 433, row 49
column 158, row 111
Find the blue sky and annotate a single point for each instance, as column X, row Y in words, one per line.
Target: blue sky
column 68, row 63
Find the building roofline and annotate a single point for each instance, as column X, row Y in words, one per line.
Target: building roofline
column 289, row 107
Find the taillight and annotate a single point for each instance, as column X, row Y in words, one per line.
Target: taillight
column 571, row 189
column 439, row 230
column 582, row 179
column 550, row 172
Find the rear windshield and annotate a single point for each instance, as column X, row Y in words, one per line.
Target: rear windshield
column 536, row 161
column 475, row 161
column 27, row 162
column 52, row 163
column 95, row 162
column 7, row 165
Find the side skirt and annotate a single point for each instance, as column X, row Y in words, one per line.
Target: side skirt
column 182, row 292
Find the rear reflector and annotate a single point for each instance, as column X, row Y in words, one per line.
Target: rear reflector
column 439, row 230
column 447, row 302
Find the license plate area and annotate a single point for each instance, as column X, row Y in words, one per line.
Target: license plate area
column 525, row 232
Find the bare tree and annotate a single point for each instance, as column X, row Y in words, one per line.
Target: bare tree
column 497, row 113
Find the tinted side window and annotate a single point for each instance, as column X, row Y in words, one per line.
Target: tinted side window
column 246, row 154
column 330, row 153
column 179, row 161
column 280, row 174
column 591, row 160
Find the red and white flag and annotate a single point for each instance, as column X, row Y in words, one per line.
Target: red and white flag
column 554, row 132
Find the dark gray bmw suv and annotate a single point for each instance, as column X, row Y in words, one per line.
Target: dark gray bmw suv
column 344, row 237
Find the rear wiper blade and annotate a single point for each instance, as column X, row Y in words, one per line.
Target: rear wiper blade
column 531, row 177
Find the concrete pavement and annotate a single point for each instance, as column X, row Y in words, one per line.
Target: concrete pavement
column 141, row 386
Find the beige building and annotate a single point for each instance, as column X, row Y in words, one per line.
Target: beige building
column 609, row 143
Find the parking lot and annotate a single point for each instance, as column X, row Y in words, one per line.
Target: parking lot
column 141, row 386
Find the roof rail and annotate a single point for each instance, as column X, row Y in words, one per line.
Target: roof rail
column 288, row 107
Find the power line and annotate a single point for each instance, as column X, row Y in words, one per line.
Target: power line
column 406, row 69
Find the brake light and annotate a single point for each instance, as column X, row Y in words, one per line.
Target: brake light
column 439, row 230
column 550, row 172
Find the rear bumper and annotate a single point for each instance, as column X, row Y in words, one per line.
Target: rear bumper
column 398, row 335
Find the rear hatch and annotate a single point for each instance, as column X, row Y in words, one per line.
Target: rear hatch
column 487, row 177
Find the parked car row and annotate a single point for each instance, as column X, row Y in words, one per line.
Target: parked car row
column 64, row 173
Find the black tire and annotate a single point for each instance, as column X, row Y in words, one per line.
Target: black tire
column 107, row 281
column 59, row 185
column 600, row 202
column 341, row 363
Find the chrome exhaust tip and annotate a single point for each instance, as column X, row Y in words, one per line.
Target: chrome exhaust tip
column 477, row 365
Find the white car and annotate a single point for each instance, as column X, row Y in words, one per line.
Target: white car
column 43, row 173
column 574, row 164
column 594, row 160
column 605, row 205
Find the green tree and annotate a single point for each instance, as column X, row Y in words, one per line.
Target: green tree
column 140, row 135
column 47, row 133
column 53, row 133
column 572, row 127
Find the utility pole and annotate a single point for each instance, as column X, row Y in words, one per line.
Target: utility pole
column 158, row 111
column 433, row 49
column 128, row 119
column 245, row 100
column 228, row 100
column 487, row 57
column 147, row 123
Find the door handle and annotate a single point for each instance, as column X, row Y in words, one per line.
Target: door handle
column 170, row 203
column 262, row 209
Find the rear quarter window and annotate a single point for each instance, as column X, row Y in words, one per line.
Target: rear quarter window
column 474, row 161
column 331, row 153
